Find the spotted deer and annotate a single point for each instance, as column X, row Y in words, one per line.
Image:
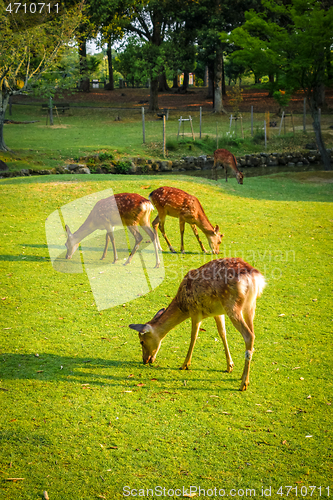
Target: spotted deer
column 128, row 209
column 227, row 159
column 187, row 208
column 223, row 286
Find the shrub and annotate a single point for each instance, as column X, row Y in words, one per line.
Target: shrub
column 123, row 167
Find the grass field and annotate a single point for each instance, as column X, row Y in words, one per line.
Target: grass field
column 83, row 418
column 86, row 131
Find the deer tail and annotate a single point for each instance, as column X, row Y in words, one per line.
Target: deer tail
column 251, row 285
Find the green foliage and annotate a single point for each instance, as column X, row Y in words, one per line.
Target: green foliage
column 123, row 167
column 282, row 97
column 105, row 156
column 290, row 39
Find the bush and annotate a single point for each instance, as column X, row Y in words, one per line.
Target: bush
column 123, row 167
column 105, row 156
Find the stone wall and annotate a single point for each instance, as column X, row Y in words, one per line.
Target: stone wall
column 143, row 166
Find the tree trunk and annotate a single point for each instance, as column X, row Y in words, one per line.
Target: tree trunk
column 175, row 81
column 84, row 84
column 153, row 97
column 110, row 85
column 206, row 77
column 3, row 106
column 224, row 90
column 218, row 105
column 316, row 101
column 162, row 83
column 185, row 82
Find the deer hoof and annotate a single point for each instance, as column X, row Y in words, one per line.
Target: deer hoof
column 230, row 367
column 172, row 250
column 184, row 367
column 243, row 386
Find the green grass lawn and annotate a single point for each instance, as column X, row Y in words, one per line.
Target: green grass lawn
column 85, row 131
column 82, row 417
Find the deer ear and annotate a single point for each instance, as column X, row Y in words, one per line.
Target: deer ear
column 159, row 313
column 139, row 328
column 216, row 230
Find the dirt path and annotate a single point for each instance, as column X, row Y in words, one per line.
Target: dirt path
column 193, row 100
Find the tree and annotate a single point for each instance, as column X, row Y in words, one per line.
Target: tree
column 296, row 41
column 28, row 52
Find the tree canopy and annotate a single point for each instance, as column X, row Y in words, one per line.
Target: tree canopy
column 28, row 52
column 293, row 39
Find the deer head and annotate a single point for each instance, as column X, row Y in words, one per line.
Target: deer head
column 70, row 244
column 239, row 177
column 215, row 240
column 149, row 339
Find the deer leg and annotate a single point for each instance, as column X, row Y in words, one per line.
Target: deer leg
column 155, row 226
column 182, row 229
column 226, row 174
column 138, row 238
column 194, row 333
column 161, row 226
column 107, row 239
column 248, row 336
column 110, row 237
column 196, row 234
column 152, row 236
column 220, row 323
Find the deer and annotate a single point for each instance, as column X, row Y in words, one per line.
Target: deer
column 227, row 159
column 188, row 209
column 222, row 286
column 128, row 209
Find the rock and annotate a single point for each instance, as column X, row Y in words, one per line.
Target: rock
column 61, row 170
column 3, row 166
column 166, row 166
column 25, row 171
column 83, row 170
column 74, row 166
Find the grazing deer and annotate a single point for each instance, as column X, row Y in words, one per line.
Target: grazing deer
column 223, row 286
column 128, row 209
column 227, row 159
column 178, row 203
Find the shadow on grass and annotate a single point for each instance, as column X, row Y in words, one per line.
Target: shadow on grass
column 25, row 258
column 99, row 372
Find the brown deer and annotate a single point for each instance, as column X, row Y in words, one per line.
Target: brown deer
column 223, row 286
column 226, row 159
column 187, row 208
column 128, row 209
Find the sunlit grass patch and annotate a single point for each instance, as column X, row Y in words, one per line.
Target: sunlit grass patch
column 82, row 417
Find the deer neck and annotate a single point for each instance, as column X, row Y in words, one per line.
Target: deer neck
column 204, row 224
column 82, row 232
column 171, row 317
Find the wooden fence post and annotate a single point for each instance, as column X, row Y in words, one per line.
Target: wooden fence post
column 143, row 125
column 164, row 136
